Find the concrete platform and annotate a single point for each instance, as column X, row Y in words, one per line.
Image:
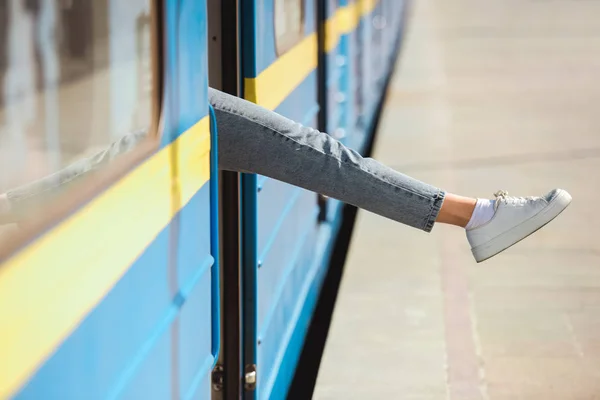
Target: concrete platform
column 487, row 96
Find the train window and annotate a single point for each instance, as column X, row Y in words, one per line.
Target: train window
column 289, row 24
column 77, row 89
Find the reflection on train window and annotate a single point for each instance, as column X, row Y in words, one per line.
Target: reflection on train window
column 289, row 24
column 75, row 91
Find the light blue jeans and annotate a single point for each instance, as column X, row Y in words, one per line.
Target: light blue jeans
column 255, row 140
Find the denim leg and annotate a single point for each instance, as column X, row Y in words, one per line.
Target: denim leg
column 253, row 139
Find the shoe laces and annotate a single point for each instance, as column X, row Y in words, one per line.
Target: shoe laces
column 502, row 195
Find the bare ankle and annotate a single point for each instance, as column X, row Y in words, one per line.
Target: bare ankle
column 456, row 210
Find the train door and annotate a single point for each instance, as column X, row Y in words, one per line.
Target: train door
column 280, row 53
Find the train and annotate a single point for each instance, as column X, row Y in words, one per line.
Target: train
column 160, row 276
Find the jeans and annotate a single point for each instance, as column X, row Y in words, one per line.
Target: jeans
column 255, row 140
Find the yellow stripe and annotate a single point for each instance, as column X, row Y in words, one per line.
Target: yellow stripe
column 367, row 6
column 347, row 18
column 276, row 82
column 47, row 289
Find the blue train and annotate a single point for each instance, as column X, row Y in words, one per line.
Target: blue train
column 158, row 276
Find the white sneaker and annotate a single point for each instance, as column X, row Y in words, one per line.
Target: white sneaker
column 515, row 218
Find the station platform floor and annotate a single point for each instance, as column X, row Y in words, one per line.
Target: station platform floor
column 486, row 96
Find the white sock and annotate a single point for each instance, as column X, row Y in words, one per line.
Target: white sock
column 483, row 213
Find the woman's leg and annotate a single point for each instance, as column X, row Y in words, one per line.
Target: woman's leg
column 253, row 139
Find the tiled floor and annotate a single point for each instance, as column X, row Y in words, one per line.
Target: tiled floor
column 488, row 95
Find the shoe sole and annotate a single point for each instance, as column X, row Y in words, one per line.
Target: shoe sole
column 515, row 235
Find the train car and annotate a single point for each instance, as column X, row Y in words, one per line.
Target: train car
column 115, row 296
column 130, row 267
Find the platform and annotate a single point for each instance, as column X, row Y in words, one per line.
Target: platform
column 486, row 96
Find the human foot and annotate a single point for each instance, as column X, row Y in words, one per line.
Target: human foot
column 514, row 219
